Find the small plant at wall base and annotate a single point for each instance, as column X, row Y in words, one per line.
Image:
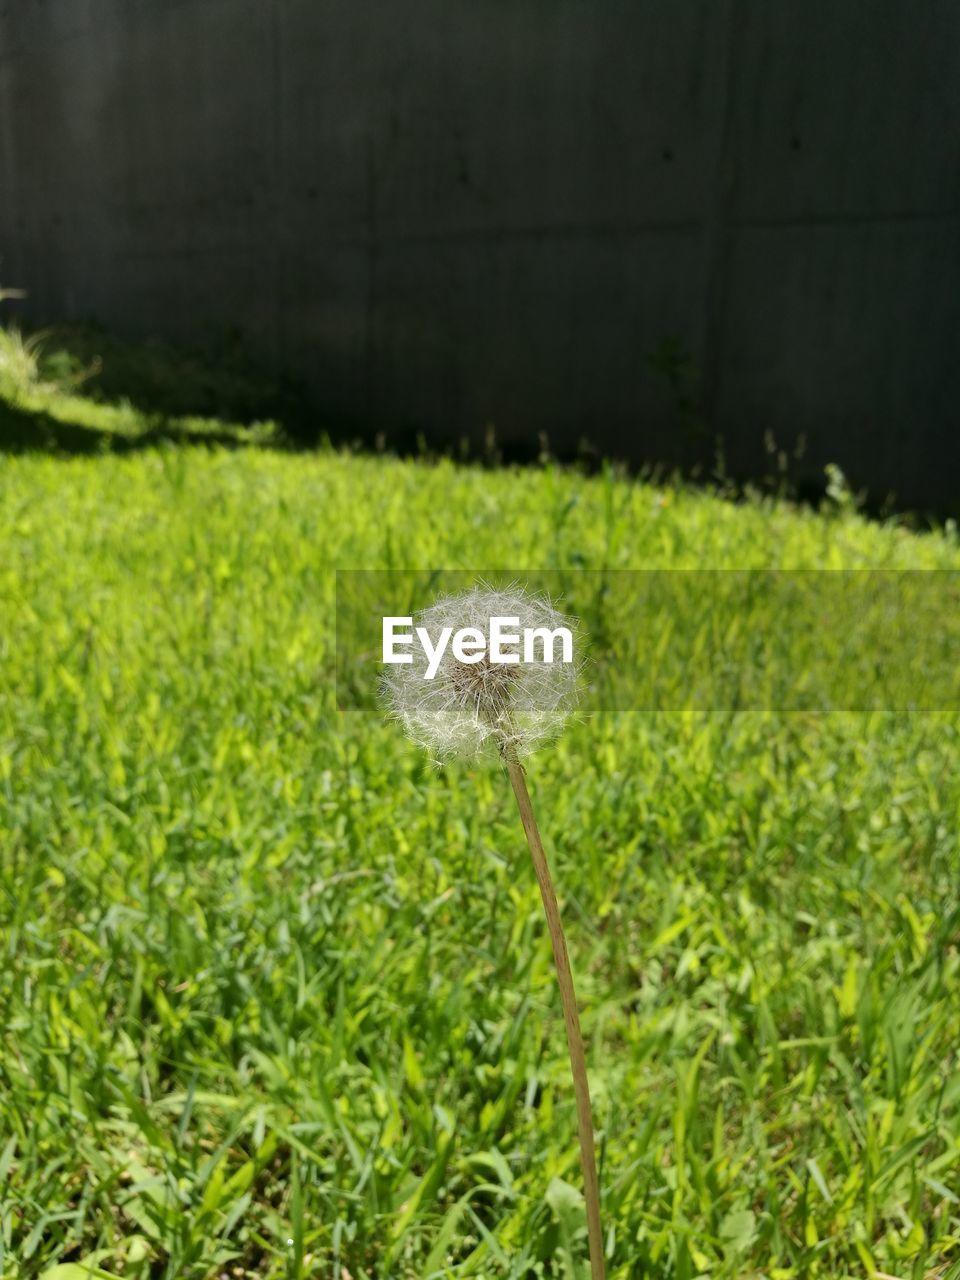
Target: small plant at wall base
column 28, row 370
column 19, row 363
column 471, row 705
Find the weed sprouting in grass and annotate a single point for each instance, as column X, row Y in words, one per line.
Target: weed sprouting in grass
column 473, row 704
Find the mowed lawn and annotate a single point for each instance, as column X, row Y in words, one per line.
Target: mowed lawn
column 277, row 998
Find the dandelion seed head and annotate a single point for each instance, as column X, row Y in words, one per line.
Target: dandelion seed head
column 484, row 708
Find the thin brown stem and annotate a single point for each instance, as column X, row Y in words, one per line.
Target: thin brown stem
column 568, row 999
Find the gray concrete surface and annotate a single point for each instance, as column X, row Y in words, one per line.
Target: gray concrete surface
column 457, row 213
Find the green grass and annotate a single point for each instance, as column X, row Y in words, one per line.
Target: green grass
column 277, row 999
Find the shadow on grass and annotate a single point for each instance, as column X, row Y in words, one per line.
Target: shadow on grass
column 215, row 394
column 222, row 378
column 34, row 431
column 221, row 394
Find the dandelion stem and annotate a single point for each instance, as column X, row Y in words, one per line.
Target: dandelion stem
column 568, row 999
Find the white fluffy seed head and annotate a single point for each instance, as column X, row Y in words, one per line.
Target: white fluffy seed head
column 485, row 708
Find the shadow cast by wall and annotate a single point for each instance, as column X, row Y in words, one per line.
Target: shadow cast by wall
column 34, row 431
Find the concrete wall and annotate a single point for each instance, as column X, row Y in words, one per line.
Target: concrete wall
column 458, row 212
